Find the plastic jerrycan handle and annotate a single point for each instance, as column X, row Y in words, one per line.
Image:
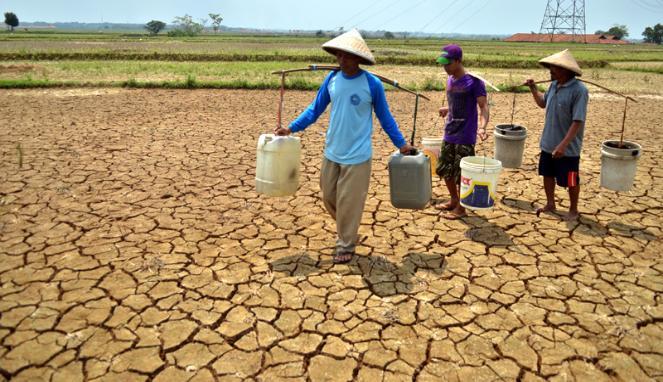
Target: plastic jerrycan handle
column 264, row 139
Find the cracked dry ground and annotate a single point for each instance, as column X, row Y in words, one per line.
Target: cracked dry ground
column 134, row 247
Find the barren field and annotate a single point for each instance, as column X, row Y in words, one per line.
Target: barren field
column 133, row 247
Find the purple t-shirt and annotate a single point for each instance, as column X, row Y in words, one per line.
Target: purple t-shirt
column 462, row 120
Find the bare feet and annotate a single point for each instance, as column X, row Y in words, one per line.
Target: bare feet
column 455, row 214
column 546, row 208
column 447, row 206
column 572, row 216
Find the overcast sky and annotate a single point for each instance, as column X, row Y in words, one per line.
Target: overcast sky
column 432, row 16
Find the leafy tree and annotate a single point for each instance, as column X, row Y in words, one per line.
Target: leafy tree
column 319, row 33
column 388, row 35
column 654, row 35
column 11, row 20
column 155, row 26
column 216, row 21
column 186, row 27
column 619, row 31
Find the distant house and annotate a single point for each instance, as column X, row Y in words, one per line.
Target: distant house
column 544, row 37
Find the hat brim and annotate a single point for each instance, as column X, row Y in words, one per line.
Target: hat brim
column 547, row 65
column 443, row 60
column 362, row 60
column 563, row 59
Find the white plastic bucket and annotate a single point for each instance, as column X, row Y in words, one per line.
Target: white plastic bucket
column 277, row 165
column 478, row 182
column 431, row 149
column 619, row 164
column 510, row 144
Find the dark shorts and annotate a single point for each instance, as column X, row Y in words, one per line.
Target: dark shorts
column 448, row 165
column 564, row 170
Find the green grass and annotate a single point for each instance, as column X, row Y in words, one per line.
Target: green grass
column 656, row 70
column 223, row 47
column 187, row 83
column 55, row 59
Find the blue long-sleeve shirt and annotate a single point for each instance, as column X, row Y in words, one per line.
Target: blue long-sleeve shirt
column 353, row 100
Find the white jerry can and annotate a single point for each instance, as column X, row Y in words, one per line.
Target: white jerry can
column 277, row 165
column 410, row 182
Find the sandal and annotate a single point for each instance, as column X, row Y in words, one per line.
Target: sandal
column 342, row 257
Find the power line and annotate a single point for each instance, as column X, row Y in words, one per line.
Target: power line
column 452, row 16
column 656, row 4
column 648, row 7
column 402, row 13
column 481, row 8
column 376, row 13
column 433, row 19
column 360, row 12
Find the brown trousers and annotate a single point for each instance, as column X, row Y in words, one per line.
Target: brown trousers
column 344, row 189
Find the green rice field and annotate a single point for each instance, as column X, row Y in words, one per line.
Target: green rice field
column 51, row 59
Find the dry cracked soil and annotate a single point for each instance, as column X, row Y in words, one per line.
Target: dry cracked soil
column 134, row 247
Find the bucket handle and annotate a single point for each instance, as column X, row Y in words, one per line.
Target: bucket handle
column 634, row 153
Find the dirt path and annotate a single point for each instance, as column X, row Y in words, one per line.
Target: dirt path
column 134, row 247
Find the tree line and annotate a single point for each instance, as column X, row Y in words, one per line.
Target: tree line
column 187, row 26
column 650, row 34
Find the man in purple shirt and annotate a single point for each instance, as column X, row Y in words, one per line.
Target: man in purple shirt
column 464, row 93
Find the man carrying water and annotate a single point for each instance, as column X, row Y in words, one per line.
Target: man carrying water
column 346, row 166
column 561, row 141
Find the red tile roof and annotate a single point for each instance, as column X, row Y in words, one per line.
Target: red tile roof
column 590, row 38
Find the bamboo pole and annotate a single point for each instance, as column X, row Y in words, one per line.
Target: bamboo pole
column 621, row 138
column 513, row 107
column 485, row 81
column 611, row 91
column 583, row 80
column 330, row 67
column 626, row 99
column 282, row 92
column 414, row 126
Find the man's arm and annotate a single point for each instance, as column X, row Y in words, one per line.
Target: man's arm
column 387, row 121
column 538, row 96
column 558, row 152
column 312, row 112
column 579, row 115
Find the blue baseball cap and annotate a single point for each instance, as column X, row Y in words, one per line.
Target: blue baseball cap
column 449, row 53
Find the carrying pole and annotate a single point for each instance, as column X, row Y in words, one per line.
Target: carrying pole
column 281, row 100
column 330, row 67
column 414, row 125
column 621, row 138
column 582, row 80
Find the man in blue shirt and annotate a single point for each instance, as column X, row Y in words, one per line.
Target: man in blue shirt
column 346, row 166
column 561, row 141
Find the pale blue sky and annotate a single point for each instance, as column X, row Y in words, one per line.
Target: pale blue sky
column 432, row 16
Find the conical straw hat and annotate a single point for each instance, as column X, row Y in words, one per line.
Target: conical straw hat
column 351, row 42
column 563, row 59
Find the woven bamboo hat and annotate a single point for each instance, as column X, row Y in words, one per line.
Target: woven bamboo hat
column 351, row 42
column 563, row 59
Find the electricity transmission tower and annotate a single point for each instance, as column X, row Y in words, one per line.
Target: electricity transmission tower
column 565, row 17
